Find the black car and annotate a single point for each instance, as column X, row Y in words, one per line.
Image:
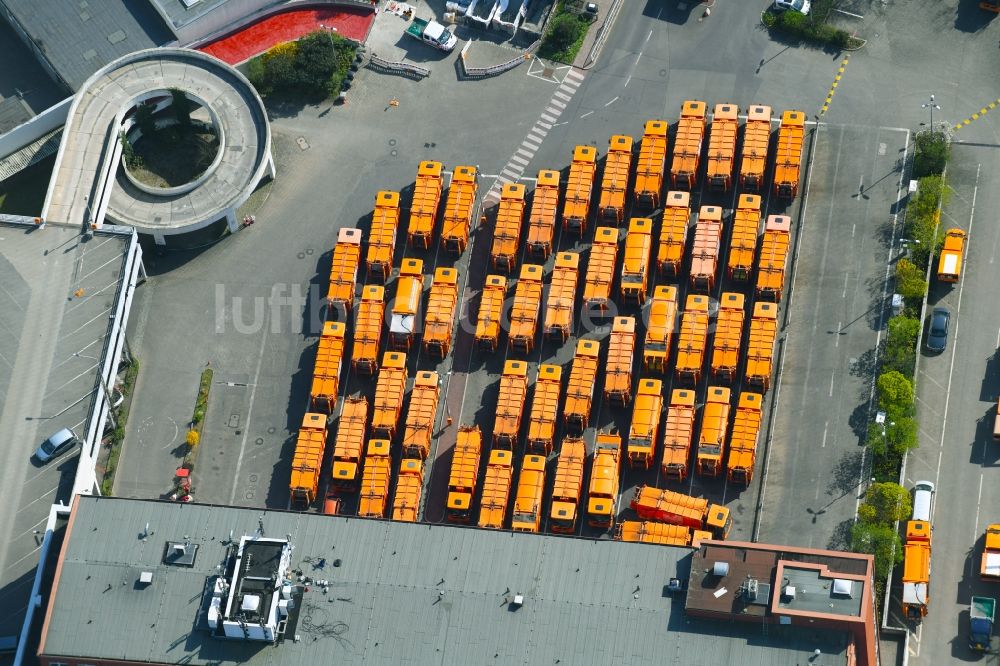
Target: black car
column 937, row 332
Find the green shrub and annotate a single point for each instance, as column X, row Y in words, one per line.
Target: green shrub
column 882, row 541
column 931, row 155
column 564, row 36
column 910, row 281
column 769, row 18
column 811, row 28
column 901, row 344
column 895, row 395
column 315, row 66
column 885, row 503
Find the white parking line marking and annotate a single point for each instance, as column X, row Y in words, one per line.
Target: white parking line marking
column 585, row 115
column 836, row 341
column 823, row 445
column 832, row 378
column 612, row 101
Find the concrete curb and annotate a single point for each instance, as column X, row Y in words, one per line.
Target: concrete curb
column 602, row 35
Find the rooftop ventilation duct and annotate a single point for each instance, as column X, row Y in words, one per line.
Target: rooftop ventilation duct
column 720, row 569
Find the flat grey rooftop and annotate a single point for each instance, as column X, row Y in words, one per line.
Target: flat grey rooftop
column 56, row 293
column 80, row 37
column 815, row 593
column 400, row 593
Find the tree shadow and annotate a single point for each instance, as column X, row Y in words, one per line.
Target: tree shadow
column 846, row 473
column 969, row 17
column 840, row 539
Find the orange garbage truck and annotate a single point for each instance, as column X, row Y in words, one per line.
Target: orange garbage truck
column 728, row 334
column 560, row 305
column 389, row 392
column 579, row 189
column 426, row 199
column 409, row 489
column 687, row 146
column 618, row 371
column 510, row 404
column 743, row 443
column 567, row 490
column 678, row 434
column 645, row 424
column 714, row 431
column 580, row 391
column 462, row 481
column 441, row 304
column 527, row 515
column 490, row 312
column 788, row 158
column 373, row 500
column 605, row 470
column 773, row 257
column 635, row 266
column 756, row 146
column 406, row 307
column 743, row 246
column 507, row 233
column 989, row 563
column 326, row 372
column 666, row 506
column 651, row 165
column 544, row 409
column 382, row 238
column 707, row 246
column 673, row 234
column 349, row 445
column 458, row 210
column 601, row 269
column 661, row 534
column 659, row 329
column 419, row 430
column 614, row 184
column 496, row 489
column 692, row 340
column 344, row 271
column 306, row 462
column 722, row 147
column 950, row 259
column 368, row 330
column 525, row 309
column 542, row 218
column 760, row 350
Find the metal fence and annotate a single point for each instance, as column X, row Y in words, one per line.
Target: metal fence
column 401, row 68
column 484, row 72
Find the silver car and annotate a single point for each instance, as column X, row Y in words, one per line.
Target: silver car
column 56, row 445
column 800, row 6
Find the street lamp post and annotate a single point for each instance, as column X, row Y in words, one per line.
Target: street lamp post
column 931, row 105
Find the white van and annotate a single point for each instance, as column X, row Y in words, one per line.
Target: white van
column 923, row 494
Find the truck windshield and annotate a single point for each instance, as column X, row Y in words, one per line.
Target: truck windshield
column 797, row 5
column 446, row 36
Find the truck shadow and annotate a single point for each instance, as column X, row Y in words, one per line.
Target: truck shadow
column 984, row 450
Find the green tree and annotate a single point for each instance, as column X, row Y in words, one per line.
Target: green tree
column 882, row 541
column 901, row 344
column 902, row 435
column 931, row 154
column 885, row 503
column 895, row 394
column 316, row 63
column 145, row 119
column 563, row 33
column 181, row 106
column 910, row 280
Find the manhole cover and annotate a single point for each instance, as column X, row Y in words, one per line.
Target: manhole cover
column 301, row 255
column 249, row 495
column 392, row 142
column 270, row 431
column 259, row 441
column 548, row 71
column 303, row 144
column 309, row 251
column 253, row 478
column 234, row 420
column 393, row 152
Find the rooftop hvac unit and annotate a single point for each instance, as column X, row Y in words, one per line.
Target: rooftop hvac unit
column 283, row 608
column 250, row 603
column 146, row 577
column 842, row 587
column 720, row 569
column 752, row 589
column 518, row 600
column 790, row 591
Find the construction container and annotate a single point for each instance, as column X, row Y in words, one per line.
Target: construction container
column 560, row 305
column 409, row 488
column 602, row 495
column 507, row 233
column 645, row 423
column 458, row 210
column 579, row 189
column 756, row 146
column 714, row 431
column 544, row 409
column 728, row 334
column 490, row 312
column 760, row 350
column 525, row 310
column 510, row 404
column 496, row 490
column 614, row 184
column 420, row 416
column 462, row 481
column 344, row 271
column 527, row 516
column 666, row 506
column 618, row 371
column 743, row 246
column 567, row 491
column 687, row 146
column 307, row 459
column 721, row 158
column 542, row 218
column 441, row 304
column 651, row 165
column 706, row 250
column 426, row 199
column 389, row 392
column 743, row 443
column 580, row 391
column 678, row 434
column 326, row 372
column 349, row 445
column 788, row 158
column 673, row 234
column 406, row 307
column 374, row 496
column 692, row 341
column 635, row 267
column 773, row 257
column 382, row 237
column 368, row 330
column 661, row 534
column 659, row 329
column 601, row 269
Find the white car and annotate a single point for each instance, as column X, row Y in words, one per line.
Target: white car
column 800, row 6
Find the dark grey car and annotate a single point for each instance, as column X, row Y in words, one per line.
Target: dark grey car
column 937, row 331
